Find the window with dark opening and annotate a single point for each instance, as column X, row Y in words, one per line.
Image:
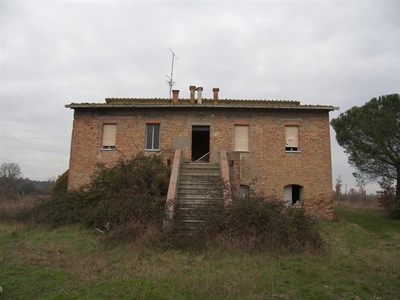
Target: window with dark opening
column 152, row 137
column 293, row 194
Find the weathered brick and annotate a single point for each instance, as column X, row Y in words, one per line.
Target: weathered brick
column 266, row 161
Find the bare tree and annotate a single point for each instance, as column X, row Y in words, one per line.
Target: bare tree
column 338, row 188
column 360, row 182
column 9, row 175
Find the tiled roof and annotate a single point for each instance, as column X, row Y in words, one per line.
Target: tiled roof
column 206, row 102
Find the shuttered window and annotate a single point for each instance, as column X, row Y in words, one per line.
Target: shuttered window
column 109, row 136
column 292, row 138
column 242, row 138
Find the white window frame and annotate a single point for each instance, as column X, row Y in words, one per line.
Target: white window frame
column 288, row 195
column 152, row 140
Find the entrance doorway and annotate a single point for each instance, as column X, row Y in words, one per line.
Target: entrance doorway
column 201, row 143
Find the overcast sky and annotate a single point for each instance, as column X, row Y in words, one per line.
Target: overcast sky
column 340, row 53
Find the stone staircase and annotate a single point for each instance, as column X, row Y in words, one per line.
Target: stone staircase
column 200, row 193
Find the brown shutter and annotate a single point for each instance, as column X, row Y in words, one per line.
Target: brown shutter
column 109, row 135
column 241, row 138
column 292, row 136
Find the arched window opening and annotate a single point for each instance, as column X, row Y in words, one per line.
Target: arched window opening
column 293, row 194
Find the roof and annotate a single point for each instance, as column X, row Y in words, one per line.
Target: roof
column 188, row 103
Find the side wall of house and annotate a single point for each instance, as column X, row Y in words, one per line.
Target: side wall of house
column 266, row 164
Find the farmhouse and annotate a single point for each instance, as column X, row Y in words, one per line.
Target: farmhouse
column 279, row 148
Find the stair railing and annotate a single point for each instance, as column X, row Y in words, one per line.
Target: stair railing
column 205, row 157
column 225, row 177
column 172, row 189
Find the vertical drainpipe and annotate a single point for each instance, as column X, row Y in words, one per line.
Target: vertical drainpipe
column 199, row 94
column 192, row 90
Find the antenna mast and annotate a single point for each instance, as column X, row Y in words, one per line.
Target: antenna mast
column 170, row 81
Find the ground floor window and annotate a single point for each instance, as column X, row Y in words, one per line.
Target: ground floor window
column 244, row 191
column 293, row 194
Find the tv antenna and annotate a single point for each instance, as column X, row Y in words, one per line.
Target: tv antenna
column 170, row 81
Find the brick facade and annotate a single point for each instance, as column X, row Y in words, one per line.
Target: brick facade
column 267, row 164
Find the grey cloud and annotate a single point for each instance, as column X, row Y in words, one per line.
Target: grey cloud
column 56, row 52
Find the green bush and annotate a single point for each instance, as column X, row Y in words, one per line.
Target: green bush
column 61, row 184
column 59, row 209
column 258, row 223
column 130, row 191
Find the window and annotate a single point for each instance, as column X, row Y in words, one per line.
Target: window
column 109, row 136
column 292, row 138
column 244, row 191
column 242, row 138
column 293, row 194
column 152, row 137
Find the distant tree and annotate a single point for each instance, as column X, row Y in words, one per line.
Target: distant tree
column 25, row 186
column 360, row 183
column 370, row 135
column 338, row 188
column 9, row 175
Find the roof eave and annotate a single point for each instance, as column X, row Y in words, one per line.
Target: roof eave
column 216, row 106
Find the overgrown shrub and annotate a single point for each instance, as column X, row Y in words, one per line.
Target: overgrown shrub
column 59, row 209
column 130, row 198
column 258, row 223
column 61, row 184
column 131, row 191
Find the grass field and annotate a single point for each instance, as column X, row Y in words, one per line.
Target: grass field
column 362, row 262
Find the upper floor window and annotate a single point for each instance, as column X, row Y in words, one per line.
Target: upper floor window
column 292, row 138
column 242, row 138
column 109, row 136
column 152, row 137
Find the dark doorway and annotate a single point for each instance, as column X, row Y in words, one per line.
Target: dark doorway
column 296, row 193
column 200, row 142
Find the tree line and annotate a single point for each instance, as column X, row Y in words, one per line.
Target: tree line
column 12, row 183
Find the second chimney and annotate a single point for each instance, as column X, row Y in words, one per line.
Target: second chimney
column 199, row 95
column 192, row 90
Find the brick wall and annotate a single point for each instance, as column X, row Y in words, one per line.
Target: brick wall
column 267, row 160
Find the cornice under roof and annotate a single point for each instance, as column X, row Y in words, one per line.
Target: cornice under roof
column 186, row 103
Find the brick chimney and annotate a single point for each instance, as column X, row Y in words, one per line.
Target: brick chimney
column 192, row 90
column 199, row 95
column 175, row 96
column 215, row 98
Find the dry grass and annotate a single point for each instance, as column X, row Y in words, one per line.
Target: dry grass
column 12, row 205
column 361, row 262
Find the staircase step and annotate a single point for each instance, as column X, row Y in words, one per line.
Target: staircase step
column 200, row 195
